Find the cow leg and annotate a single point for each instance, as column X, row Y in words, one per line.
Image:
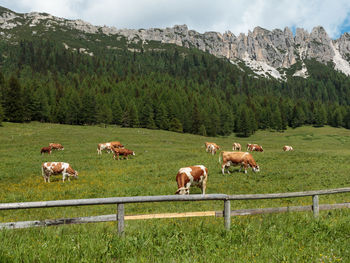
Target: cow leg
column 245, row 167
column 204, row 185
column 228, row 166
column 223, row 169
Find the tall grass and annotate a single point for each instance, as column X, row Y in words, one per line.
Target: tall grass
column 320, row 161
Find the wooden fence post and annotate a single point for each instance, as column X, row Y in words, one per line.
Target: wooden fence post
column 227, row 214
column 315, row 205
column 120, row 219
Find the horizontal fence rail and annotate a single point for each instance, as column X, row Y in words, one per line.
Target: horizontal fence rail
column 121, row 217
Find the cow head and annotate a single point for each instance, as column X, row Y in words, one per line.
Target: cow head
column 256, row 168
column 182, row 191
column 75, row 175
column 133, row 153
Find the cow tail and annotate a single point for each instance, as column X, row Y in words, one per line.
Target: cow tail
column 42, row 170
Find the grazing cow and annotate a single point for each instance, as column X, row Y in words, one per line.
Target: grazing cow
column 207, row 144
column 117, row 145
column 56, row 146
column 288, row 148
column 236, row 146
column 45, row 150
column 212, row 149
column 254, row 147
column 244, row 159
column 52, row 168
column 193, row 175
column 104, row 146
column 121, row 151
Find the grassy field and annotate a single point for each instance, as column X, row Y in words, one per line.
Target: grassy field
column 320, row 161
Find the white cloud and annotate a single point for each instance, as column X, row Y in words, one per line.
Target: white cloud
column 238, row 16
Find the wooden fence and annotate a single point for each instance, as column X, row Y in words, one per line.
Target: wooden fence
column 121, row 201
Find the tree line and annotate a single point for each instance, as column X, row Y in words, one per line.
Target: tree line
column 182, row 90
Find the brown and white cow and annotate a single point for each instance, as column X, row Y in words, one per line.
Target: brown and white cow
column 104, row 146
column 45, row 150
column 236, row 146
column 287, row 148
column 56, row 146
column 254, row 147
column 212, row 149
column 117, row 145
column 193, row 175
column 244, row 159
column 52, row 168
column 123, row 152
column 207, row 144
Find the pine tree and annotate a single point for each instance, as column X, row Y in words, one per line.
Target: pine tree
column 117, row 112
column 245, row 123
column 14, row 105
column 104, row 115
column 196, row 119
column 88, row 109
column 276, row 120
column 320, row 115
column 133, row 116
column 346, row 119
column 126, row 117
column 337, row 118
column 1, row 113
column 61, row 113
column 175, row 125
column 74, row 109
column 202, row 131
column 148, row 117
column 161, row 118
column 298, row 117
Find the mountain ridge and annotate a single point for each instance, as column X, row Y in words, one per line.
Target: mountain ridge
column 267, row 53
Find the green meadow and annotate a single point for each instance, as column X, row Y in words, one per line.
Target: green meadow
column 320, row 160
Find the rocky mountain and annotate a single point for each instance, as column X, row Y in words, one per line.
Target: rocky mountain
column 267, row 53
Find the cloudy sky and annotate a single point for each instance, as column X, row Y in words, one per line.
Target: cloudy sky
column 238, row 16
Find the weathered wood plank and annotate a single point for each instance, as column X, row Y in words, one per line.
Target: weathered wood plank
column 315, row 206
column 120, row 218
column 113, row 217
column 163, row 198
column 270, row 210
column 55, row 222
column 288, row 195
column 102, row 218
column 112, row 200
column 227, row 214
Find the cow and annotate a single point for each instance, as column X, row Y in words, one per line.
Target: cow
column 104, row 146
column 212, row 149
column 254, row 147
column 236, row 146
column 117, row 145
column 121, row 151
column 56, row 146
column 244, row 159
column 217, row 147
column 193, row 175
column 45, row 150
column 52, row 168
column 288, row 148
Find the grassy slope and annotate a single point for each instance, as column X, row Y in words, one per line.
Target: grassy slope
column 320, row 161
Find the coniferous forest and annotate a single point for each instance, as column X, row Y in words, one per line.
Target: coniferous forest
column 170, row 88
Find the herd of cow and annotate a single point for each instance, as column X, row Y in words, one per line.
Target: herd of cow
column 198, row 175
column 53, row 168
column 186, row 177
